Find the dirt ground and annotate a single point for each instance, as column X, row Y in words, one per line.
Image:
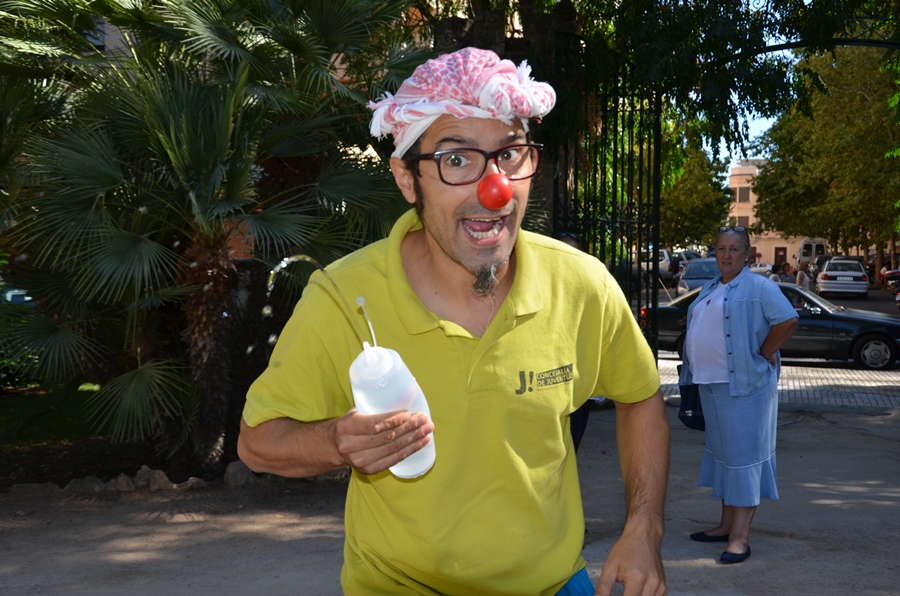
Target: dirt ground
column 833, row 532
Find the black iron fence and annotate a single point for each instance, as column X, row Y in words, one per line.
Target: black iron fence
column 607, row 176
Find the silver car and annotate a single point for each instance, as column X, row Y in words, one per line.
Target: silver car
column 843, row 276
column 696, row 273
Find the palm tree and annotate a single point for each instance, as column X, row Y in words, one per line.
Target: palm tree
column 227, row 122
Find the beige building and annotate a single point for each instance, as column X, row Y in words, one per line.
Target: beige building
column 768, row 247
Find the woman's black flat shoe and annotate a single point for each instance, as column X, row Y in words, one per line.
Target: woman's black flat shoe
column 704, row 537
column 729, row 558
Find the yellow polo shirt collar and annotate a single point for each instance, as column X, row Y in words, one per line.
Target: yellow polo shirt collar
column 525, row 297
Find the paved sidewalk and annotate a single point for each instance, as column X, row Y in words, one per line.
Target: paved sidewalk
column 814, row 382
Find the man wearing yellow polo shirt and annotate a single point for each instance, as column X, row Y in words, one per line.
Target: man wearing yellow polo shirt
column 507, row 333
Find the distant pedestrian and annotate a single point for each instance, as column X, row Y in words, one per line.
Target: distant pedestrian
column 786, row 275
column 803, row 275
column 776, row 273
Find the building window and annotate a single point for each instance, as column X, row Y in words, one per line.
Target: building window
column 743, row 220
column 743, row 194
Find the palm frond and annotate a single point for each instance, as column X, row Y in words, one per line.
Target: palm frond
column 69, row 13
column 26, row 106
column 134, row 405
column 295, row 138
column 55, row 293
column 82, row 161
column 201, row 133
column 337, row 23
column 126, row 263
column 351, row 178
column 279, row 227
column 56, row 353
column 161, row 297
column 144, row 19
column 60, row 229
column 48, row 28
column 216, row 29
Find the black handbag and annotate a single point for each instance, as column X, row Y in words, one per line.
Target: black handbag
column 690, row 412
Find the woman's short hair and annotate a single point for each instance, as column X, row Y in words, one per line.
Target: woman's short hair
column 742, row 234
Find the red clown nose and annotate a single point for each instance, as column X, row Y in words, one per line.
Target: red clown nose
column 495, row 191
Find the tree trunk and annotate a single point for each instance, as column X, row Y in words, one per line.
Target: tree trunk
column 208, row 336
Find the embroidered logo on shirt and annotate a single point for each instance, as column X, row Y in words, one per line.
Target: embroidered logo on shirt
column 563, row 374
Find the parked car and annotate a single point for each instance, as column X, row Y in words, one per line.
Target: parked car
column 892, row 283
column 892, row 279
column 870, row 265
column 666, row 273
column 15, row 296
column 680, row 258
column 843, row 276
column 696, row 273
column 825, row 330
column 816, row 266
column 13, row 368
column 761, row 268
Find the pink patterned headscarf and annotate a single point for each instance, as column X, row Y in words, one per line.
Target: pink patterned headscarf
column 470, row 83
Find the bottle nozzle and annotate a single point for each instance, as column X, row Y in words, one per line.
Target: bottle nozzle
column 367, row 350
column 362, row 304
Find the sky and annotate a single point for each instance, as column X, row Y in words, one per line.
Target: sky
column 757, row 127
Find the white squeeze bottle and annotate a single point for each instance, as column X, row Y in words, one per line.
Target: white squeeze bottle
column 381, row 382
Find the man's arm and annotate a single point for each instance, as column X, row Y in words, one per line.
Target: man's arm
column 642, row 434
column 370, row 444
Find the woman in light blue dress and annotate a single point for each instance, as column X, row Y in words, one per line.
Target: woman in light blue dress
column 735, row 328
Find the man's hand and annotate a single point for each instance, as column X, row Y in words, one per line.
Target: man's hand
column 636, row 562
column 372, row 444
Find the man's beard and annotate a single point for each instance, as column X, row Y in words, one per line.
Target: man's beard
column 485, row 280
column 486, row 276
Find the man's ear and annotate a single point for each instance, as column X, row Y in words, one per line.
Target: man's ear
column 403, row 176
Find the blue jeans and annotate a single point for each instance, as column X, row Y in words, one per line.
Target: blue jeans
column 578, row 585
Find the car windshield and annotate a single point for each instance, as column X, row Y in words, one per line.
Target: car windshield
column 844, row 266
column 695, row 270
column 686, row 299
column 818, row 300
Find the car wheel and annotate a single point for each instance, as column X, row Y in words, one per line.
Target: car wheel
column 874, row 352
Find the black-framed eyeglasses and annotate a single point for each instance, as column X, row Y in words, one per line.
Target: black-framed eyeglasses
column 465, row 166
column 732, row 229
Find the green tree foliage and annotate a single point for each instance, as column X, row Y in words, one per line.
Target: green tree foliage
column 697, row 203
column 223, row 124
column 827, row 173
column 718, row 61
